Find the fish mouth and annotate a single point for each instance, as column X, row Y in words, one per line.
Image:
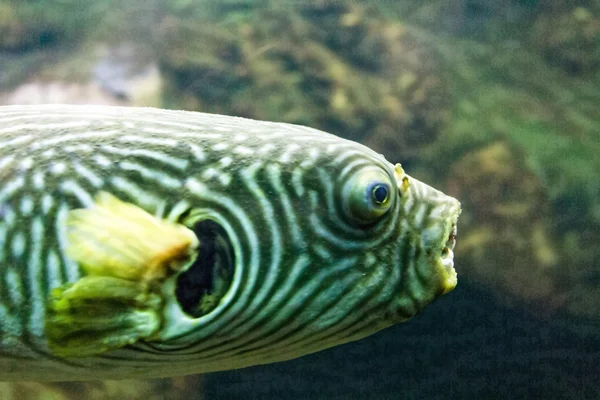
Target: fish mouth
column 447, row 261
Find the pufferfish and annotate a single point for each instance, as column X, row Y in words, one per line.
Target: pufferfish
column 143, row 243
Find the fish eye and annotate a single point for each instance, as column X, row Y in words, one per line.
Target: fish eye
column 368, row 195
column 380, row 193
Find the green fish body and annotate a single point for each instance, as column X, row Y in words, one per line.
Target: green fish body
column 142, row 243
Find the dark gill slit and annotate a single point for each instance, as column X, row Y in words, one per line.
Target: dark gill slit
column 202, row 286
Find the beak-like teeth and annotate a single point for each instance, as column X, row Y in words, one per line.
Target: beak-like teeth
column 448, row 257
column 447, row 253
column 448, row 265
column 451, row 239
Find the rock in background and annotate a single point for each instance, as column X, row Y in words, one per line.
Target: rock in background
column 160, row 389
column 338, row 66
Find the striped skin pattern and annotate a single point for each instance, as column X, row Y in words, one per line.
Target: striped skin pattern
column 307, row 276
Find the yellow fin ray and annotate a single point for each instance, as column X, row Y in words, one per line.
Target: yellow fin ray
column 115, row 238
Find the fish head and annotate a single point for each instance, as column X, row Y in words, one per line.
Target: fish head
column 395, row 233
column 348, row 247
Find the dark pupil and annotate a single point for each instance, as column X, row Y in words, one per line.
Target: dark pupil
column 380, row 194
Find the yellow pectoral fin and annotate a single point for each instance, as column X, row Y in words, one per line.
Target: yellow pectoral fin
column 126, row 254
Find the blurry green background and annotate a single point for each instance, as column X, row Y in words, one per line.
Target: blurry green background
column 496, row 102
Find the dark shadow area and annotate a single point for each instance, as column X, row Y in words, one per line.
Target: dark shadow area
column 465, row 346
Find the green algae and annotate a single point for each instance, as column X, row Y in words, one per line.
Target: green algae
column 368, row 81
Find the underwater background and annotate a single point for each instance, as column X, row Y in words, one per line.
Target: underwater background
column 495, row 102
